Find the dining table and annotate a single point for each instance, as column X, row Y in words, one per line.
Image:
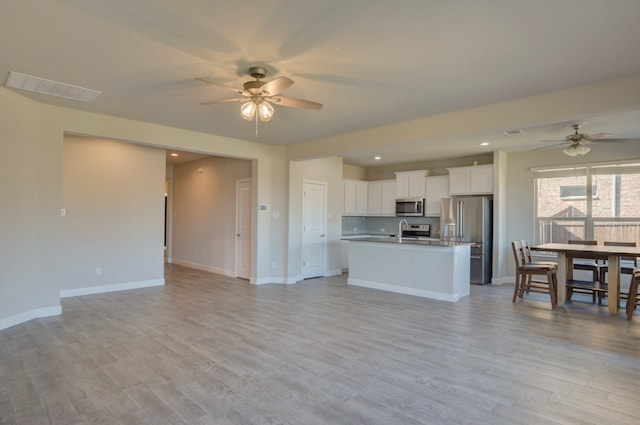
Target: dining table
column 612, row 254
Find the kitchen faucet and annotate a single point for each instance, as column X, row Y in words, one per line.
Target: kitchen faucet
column 400, row 229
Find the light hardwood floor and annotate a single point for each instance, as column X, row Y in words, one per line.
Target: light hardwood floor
column 207, row 349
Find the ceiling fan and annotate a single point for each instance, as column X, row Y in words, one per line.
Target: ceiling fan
column 260, row 96
column 578, row 141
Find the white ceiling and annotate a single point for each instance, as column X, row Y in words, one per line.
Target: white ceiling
column 371, row 63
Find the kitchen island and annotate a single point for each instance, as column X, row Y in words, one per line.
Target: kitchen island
column 424, row 268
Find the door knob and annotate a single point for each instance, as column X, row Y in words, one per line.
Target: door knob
column 238, row 234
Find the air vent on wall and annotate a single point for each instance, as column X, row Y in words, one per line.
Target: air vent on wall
column 30, row 83
column 514, row 132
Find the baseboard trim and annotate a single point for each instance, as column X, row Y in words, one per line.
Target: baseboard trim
column 90, row 290
column 440, row 296
column 205, row 268
column 502, row 280
column 36, row 313
column 336, row 272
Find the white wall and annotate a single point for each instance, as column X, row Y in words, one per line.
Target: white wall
column 113, row 195
column 204, row 213
column 31, row 139
column 28, row 218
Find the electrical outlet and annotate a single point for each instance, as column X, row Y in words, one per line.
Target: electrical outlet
column 382, row 229
column 98, row 271
column 273, row 264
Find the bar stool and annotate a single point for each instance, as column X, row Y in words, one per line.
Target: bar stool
column 525, row 272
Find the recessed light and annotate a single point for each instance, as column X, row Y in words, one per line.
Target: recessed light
column 485, row 144
column 377, row 157
column 174, row 154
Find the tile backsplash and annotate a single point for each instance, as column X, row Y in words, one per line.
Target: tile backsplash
column 384, row 225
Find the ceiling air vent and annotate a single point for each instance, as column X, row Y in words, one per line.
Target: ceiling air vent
column 30, row 83
column 514, row 132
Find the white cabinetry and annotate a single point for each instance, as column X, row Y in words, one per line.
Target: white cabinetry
column 382, row 197
column 474, row 180
column 354, row 197
column 437, row 188
column 410, row 184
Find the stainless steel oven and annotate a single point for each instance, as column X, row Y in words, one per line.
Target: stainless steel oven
column 409, row 207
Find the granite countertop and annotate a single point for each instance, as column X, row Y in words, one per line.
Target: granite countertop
column 409, row 241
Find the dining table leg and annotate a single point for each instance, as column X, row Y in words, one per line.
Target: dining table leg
column 563, row 271
column 614, row 283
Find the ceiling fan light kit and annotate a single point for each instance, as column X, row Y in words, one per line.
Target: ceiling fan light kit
column 577, row 141
column 259, row 96
column 576, row 150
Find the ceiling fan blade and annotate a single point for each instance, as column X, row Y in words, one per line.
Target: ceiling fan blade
column 295, row 102
column 235, row 99
column 550, row 146
column 597, row 136
column 213, row 83
column 554, row 141
column 609, row 140
column 277, row 86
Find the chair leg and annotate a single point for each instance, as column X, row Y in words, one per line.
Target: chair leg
column 631, row 298
column 553, row 289
column 516, row 288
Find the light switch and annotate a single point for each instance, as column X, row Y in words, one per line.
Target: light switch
column 63, row 212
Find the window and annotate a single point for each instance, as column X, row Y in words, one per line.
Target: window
column 596, row 202
column 576, row 191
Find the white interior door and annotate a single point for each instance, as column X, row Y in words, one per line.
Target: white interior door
column 243, row 228
column 314, row 229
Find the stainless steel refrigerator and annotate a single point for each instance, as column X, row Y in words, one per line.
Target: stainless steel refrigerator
column 469, row 219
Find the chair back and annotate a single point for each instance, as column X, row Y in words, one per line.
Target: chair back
column 629, row 244
column 526, row 251
column 578, row 242
column 518, row 254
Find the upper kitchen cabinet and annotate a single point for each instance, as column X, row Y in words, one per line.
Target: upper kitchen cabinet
column 382, row 197
column 354, row 197
column 410, row 184
column 437, row 188
column 474, row 180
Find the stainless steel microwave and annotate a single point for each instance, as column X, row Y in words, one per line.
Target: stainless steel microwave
column 409, row 207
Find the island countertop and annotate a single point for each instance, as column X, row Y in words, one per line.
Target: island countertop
column 409, row 241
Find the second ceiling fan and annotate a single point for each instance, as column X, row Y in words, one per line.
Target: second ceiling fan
column 578, row 141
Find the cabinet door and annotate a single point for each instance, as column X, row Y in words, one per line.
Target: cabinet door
column 374, row 200
column 361, row 198
column 437, row 188
column 402, row 185
column 481, row 179
column 416, row 185
column 388, row 206
column 459, row 181
column 349, row 197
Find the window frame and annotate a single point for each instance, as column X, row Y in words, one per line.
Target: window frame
column 589, row 171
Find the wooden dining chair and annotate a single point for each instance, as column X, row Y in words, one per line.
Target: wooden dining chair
column 632, row 298
column 525, row 271
column 588, row 264
column 624, row 269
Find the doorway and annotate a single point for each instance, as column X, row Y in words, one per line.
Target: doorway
column 243, row 228
column 314, row 229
